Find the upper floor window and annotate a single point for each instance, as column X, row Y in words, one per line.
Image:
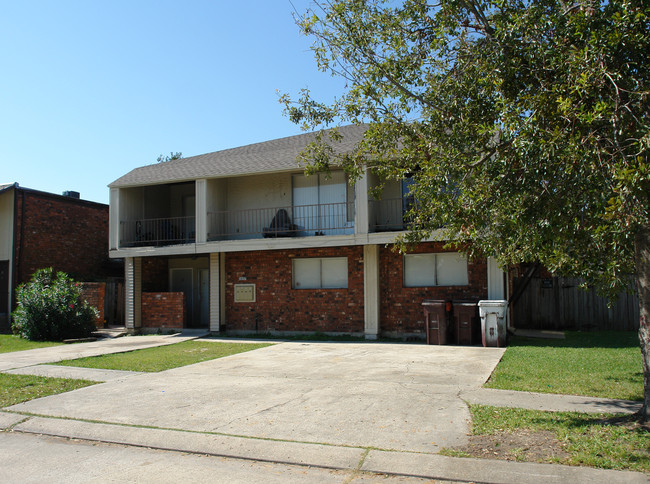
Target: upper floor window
column 443, row 269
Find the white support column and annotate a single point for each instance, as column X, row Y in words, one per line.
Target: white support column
column 215, row 292
column 361, row 205
column 495, row 280
column 371, row 290
column 222, row 288
column 114, row 219
column 201, row 211
column 133, row 290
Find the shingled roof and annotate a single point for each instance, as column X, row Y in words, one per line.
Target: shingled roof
column 267, row 157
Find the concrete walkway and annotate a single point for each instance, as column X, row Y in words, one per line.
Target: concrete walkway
column 549, row 402
column 368, row 407
column 22, row 359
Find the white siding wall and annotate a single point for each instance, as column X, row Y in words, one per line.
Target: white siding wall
column 6, row 224
column 201, row 215
column 496, row 280
column 133, row 290
column 371, row 290
column 179, row 195
column 215, row 293
column 6, row 238
column 254, row 193
column 131, row 203
column 114, row 219
column 263, row 191
column 216, row 195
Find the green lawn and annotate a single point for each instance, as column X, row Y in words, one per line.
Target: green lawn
column 602, row 364
column 591, row 440
column 9, row 343
column 164, row 357
column 20, row 388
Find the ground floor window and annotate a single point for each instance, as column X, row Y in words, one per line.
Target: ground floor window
column 320, row 273
column 445, row 269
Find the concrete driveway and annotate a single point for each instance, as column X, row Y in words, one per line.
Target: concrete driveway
column 367, row 410
column 384, row 396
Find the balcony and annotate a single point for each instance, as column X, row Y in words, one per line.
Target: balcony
column 158, row 232
column 297, row 221
column 389, row 215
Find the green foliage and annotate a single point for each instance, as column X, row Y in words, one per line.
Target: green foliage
column 604, row 364
column 50, row 308
column 525, row 125
column 170, row 157
column 163, row 358
column 10, row 343
column 20, row 388
column 595, row 440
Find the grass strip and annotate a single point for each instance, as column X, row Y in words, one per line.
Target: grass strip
column 602, row 440
column 165, row 357
column 10, row 343
column 21, row 388
column 604, row 364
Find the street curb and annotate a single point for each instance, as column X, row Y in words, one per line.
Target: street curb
column 430, row 466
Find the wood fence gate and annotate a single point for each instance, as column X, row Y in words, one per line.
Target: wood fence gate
column 114, row 302
column 558, row 303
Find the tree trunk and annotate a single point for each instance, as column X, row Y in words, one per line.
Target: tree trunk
column 642, row 266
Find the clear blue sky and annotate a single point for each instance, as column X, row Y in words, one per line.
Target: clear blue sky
column 90, row 90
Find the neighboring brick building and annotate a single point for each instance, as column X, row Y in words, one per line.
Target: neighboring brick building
column 254, row 245
column 39, row 229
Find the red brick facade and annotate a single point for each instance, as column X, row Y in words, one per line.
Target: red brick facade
column 401, row 307
column 94, row 293
column 64, row 233
column 278, row 307
column 163, row 310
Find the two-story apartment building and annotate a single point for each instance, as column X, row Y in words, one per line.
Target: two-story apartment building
column 254, row 245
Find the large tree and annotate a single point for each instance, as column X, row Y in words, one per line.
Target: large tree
column 525, row 125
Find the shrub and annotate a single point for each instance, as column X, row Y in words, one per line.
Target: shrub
column 50, row 308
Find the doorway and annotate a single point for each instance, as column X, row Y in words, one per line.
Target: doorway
column 191, row 275
column 180, row 280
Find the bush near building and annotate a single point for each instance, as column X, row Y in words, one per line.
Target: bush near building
column 50, row 308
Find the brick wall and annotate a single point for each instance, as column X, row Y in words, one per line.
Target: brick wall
column 67, row 234
column 163, row 310
column 401, row 307
column 94, row 293
column 155, row 274
column 278, row 307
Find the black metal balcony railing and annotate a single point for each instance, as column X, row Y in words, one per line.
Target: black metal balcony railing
column 389, row 215
column 158, row 232
column 298, row 221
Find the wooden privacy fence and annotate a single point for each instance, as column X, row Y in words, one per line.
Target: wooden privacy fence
column 114, row 302
column 559, row 303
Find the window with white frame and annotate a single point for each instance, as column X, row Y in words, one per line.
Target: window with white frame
column 444, row 269
column 320, row 273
